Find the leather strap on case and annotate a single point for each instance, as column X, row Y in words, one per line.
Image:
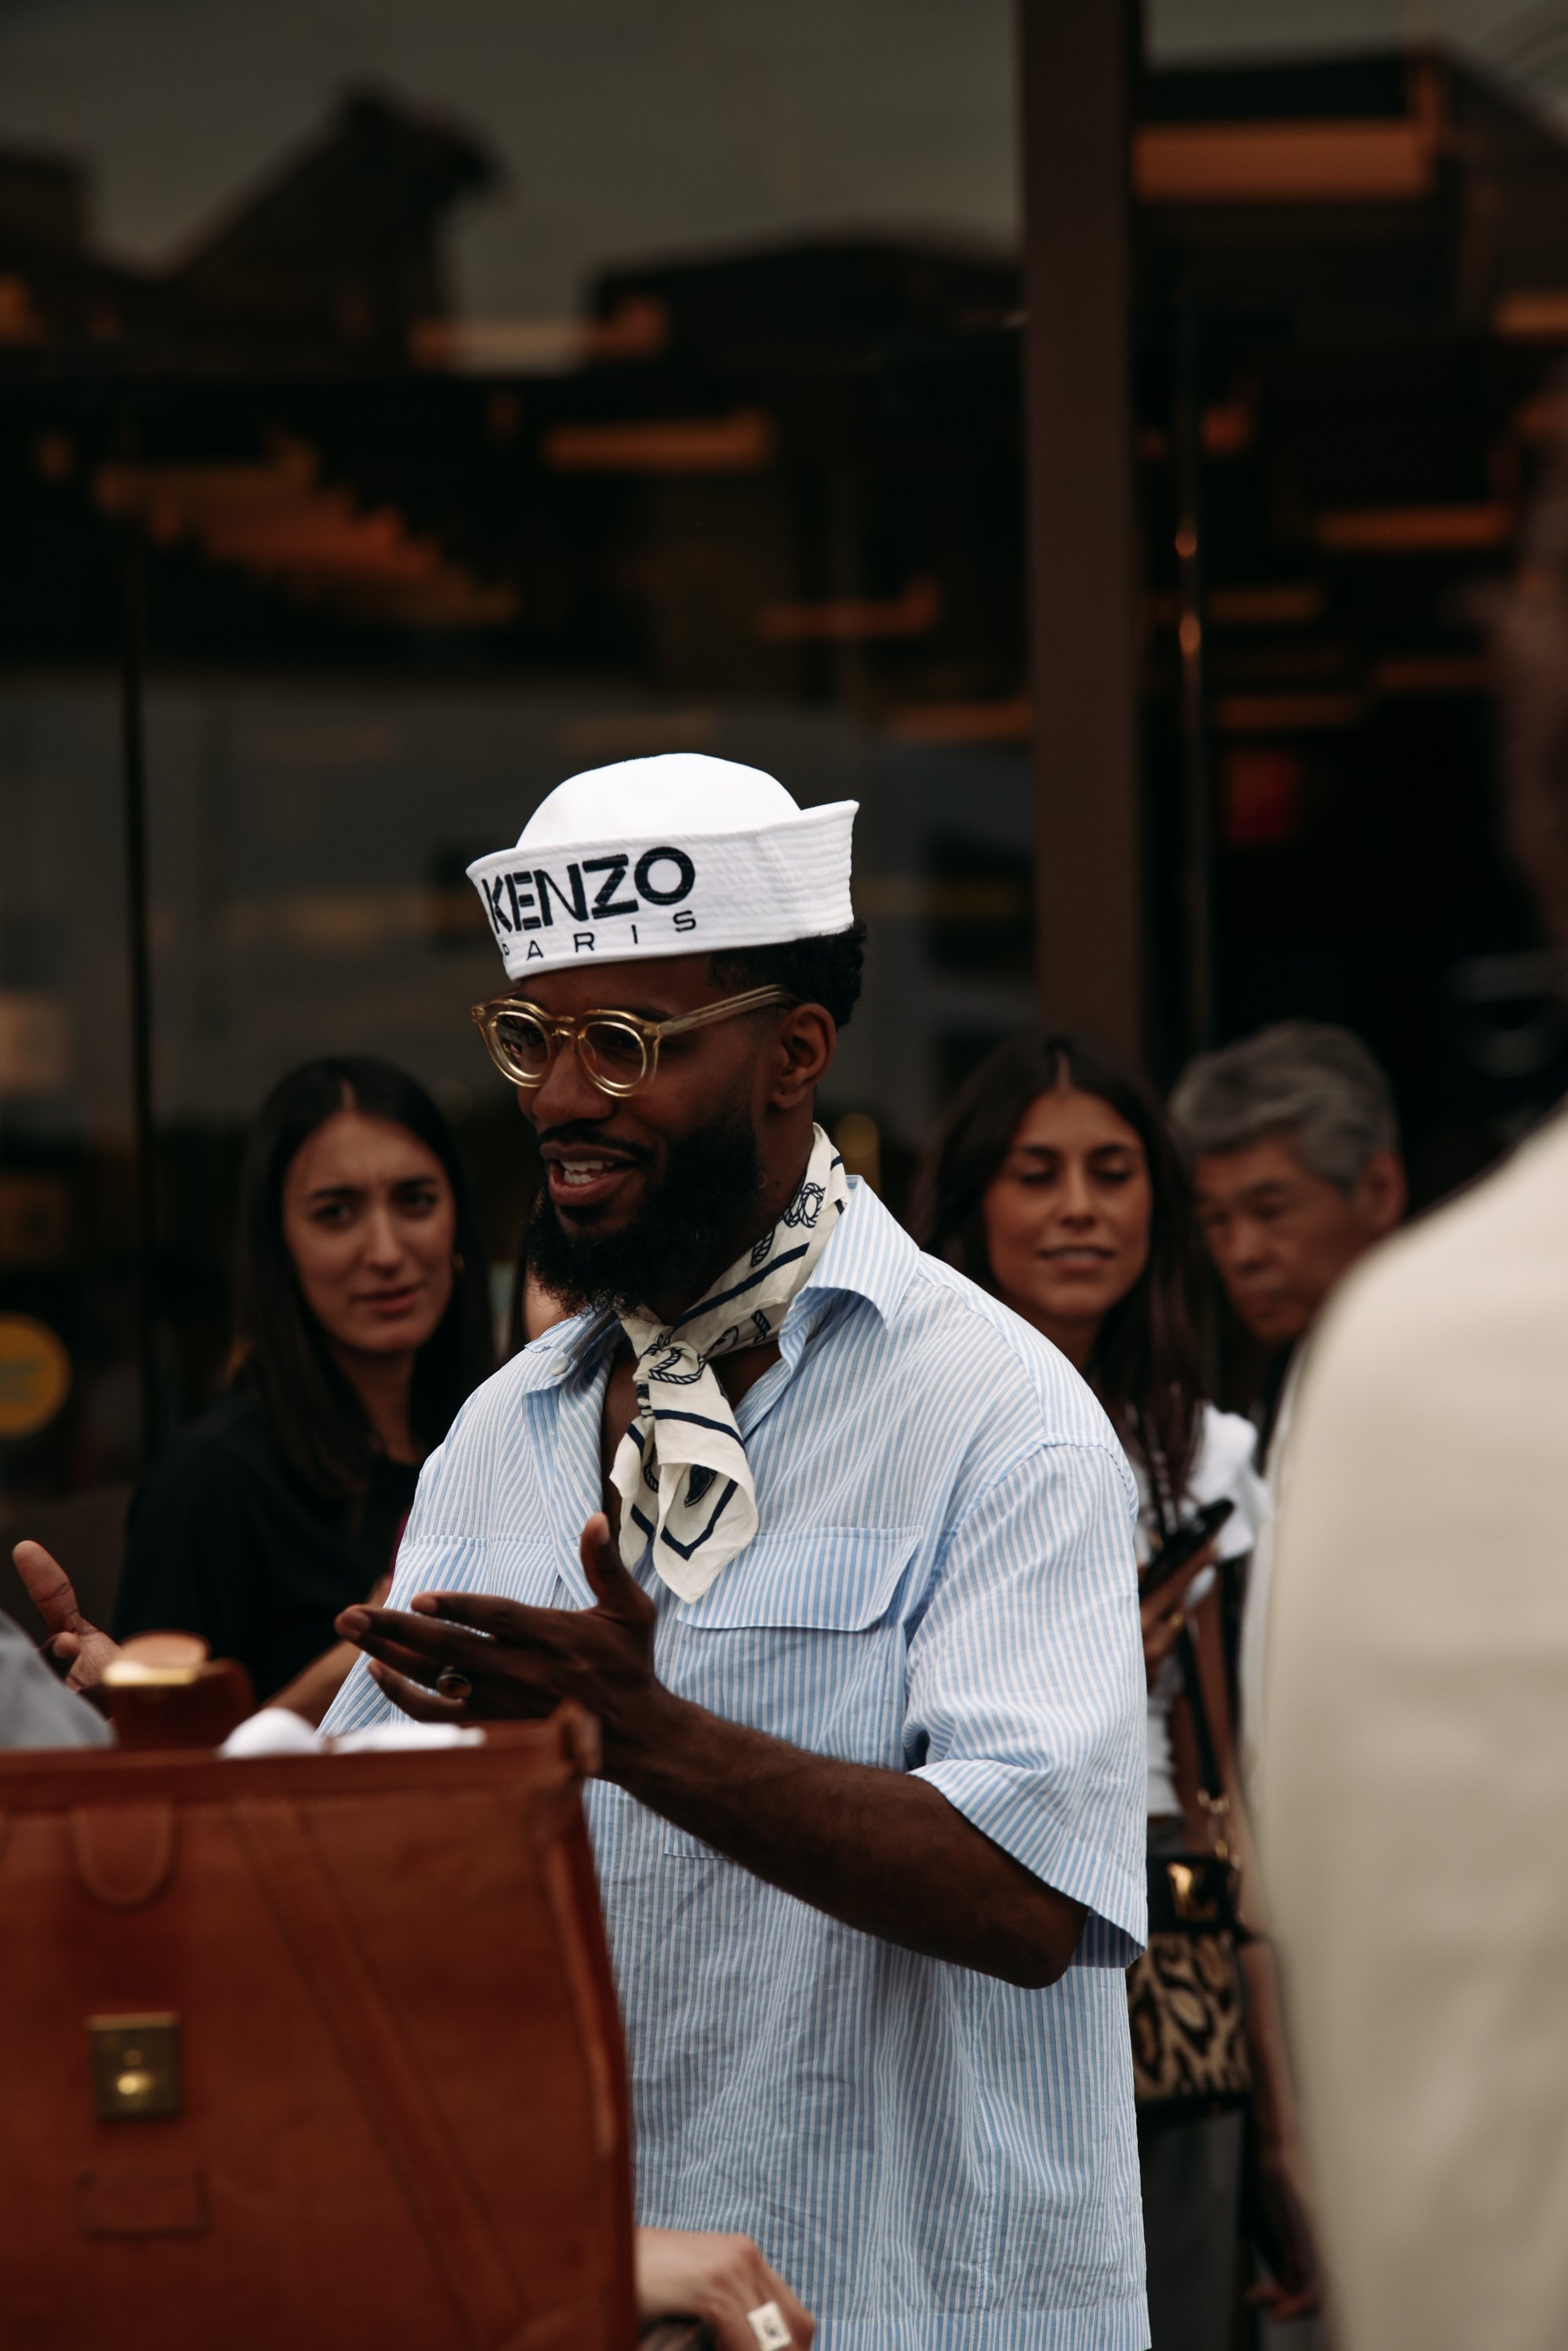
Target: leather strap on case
column 410, row 2133
column 124, row 1854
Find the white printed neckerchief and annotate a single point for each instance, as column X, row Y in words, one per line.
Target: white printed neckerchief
column 683, row 1447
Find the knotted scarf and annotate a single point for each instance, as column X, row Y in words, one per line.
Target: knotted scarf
column 681, row 1470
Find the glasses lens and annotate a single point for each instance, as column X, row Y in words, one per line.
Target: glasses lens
column 613, row 1052
column 520, row 1046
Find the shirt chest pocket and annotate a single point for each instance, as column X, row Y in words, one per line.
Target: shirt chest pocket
column 801, row 1636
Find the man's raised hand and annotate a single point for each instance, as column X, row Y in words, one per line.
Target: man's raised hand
column 68, row 1634
column 470, row 1656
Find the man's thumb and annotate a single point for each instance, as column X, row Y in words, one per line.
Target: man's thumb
column 49, row 1589
column 607, row 1579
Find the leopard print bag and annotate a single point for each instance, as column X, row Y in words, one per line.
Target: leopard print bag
column 1185, row 2000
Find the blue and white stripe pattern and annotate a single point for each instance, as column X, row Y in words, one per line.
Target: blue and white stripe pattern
column 942, row 1581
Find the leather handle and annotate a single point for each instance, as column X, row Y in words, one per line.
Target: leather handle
column 124, row 1854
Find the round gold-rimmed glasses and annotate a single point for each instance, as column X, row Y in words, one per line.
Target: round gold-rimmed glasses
column 619, row 1050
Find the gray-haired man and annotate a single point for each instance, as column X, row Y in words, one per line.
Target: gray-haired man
column 1294, row 1146
column 1295, row 1153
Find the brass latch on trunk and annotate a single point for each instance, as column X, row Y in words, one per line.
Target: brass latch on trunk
column 135, row 2066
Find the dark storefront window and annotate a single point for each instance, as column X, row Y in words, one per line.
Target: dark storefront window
column 1351, row 323
column 403, row 492
column 408, row 409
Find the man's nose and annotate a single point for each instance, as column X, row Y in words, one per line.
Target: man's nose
column 567, row 1093
column 1246, row 1245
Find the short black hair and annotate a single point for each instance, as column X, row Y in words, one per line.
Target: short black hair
column 825, row 971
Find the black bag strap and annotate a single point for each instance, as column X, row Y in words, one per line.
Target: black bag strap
column 1210, row 1779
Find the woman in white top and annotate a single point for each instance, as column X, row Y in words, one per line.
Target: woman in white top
column 1056, row 1184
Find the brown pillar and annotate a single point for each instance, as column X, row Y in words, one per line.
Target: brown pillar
column 1075, row 62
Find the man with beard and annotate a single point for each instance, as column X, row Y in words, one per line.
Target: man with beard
column 837, row 1552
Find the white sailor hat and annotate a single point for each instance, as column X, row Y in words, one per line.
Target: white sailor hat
column 672, row 855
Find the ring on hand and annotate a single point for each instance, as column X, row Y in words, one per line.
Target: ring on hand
column 454, row 1685
column 1176, row 1620
column 767, row 2323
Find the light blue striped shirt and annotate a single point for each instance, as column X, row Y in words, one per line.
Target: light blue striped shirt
column 942, row 1583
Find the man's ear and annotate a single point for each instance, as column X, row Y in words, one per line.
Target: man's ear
column 804, row 1047
column 1382, row 1192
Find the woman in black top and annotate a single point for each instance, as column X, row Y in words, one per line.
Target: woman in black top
column 361, row 1323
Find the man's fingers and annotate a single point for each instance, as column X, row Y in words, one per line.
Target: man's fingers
column 719, row 2279
column 730, row 2328
column 418, row 1649
column 798, row 2319
column 743, row 2283
column 504, row 1620
column 421, row 1704
column 503, row 1682
column 49, row 1589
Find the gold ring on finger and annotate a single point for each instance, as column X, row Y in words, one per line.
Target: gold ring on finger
column 454, row 1685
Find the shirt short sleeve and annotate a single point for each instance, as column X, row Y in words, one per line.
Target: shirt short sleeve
column 36, row 1710
column 1026, row 1686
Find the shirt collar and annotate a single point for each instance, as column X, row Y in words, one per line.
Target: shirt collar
column 870, row 1256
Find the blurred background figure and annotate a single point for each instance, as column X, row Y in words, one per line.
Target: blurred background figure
column 361, row 1323
column 1057, row 1185
column 1415, row 1769
column 1294, row 1142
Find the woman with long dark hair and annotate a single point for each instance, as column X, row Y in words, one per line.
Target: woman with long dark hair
column 1056, row 1185
column 361, row 1322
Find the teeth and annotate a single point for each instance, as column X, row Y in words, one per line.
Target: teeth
column 582, row 1171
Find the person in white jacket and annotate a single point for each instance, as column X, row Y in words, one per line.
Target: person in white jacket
column 1414, row 1771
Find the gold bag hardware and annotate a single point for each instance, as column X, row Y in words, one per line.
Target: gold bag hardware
column 1192, row 1899
column 135, row 2066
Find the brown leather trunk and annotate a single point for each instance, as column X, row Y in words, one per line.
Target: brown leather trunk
column 308, row 2054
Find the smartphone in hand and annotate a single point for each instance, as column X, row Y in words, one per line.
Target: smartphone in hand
column 1184, row 1544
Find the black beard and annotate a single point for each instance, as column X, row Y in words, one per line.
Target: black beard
column 667, row 1252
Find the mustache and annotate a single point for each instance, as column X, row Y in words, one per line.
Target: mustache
column 709, row 1174
column 589, row 1131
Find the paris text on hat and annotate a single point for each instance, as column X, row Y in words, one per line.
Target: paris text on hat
column 673, row 855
